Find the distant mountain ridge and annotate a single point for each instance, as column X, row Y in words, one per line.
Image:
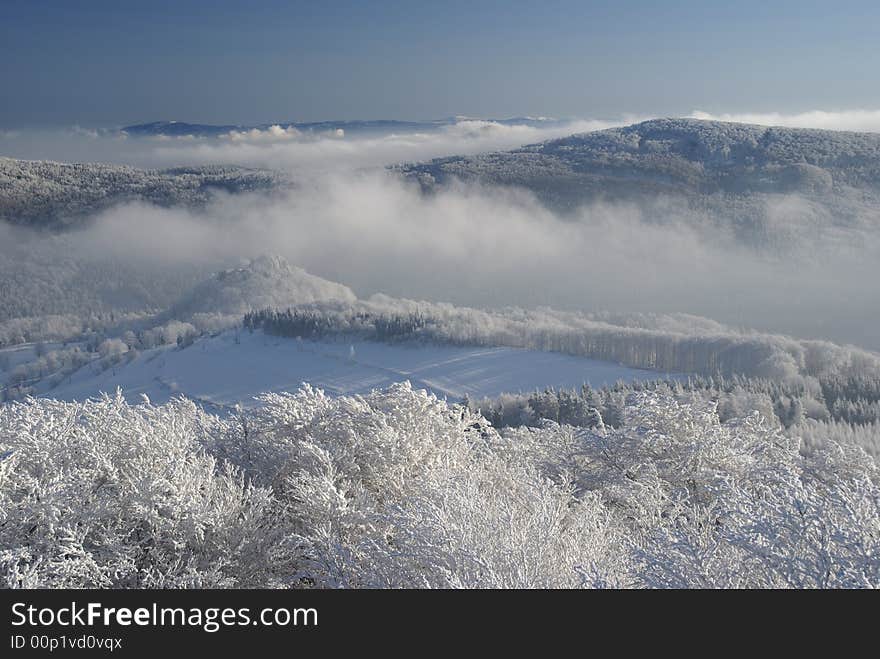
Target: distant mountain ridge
column 354, row 126
column 184, row 129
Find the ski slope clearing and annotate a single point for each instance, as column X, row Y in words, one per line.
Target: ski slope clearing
column 233, row 367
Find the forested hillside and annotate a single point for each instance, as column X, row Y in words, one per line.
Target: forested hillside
column 679, row 343
column 823, row 389
column 719, row 175
column 55, row 195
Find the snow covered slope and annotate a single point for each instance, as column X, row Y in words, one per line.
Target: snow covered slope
column 681, row 154
column 268, row 282
column 51, row 194
column 712, row 175
column 232, row 367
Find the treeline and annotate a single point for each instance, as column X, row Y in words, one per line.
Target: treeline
column 315, row 324
column 794, row 383
column 854, row 399
column 68, row 327
column 52, row 364
column 679, row 349
column 786, row 403
column 55, row 195
column 803, row 411
column 49, row 365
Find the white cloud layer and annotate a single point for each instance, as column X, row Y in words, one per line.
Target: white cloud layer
column 303, row 152
column 273, row 133
column 491, row 247
column 289, row 149
column 854, row 120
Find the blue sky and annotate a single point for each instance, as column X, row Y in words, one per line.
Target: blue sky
column 112, row 63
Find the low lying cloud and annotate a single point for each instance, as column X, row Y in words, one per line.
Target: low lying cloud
column 490, row 247
column 273, row 133
column 286, row 148
column 335, row 152
column 853, row 120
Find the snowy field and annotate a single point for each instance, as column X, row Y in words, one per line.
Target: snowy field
column 233, row 367
column 22, row 354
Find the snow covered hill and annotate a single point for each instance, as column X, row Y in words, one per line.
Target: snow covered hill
column 43, row 284
column 702, row 155
column 234, row 366
column 267, row 282
column 40, row 193
column 722, row 175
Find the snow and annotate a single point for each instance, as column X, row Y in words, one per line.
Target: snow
column 22, row 354
column 233, row 367
column 17, row 355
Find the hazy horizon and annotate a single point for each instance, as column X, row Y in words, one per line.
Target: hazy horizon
column 227, row 62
